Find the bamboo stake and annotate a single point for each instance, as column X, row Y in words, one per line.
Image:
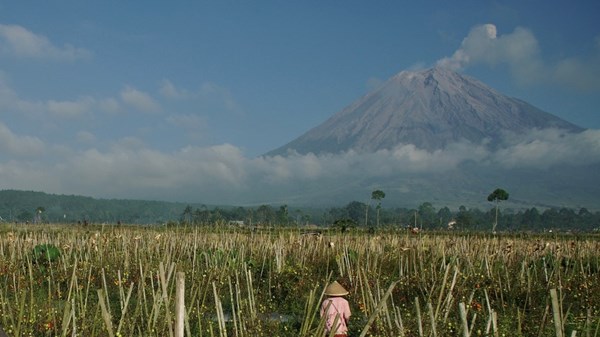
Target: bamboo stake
column 180, row 304
column 234, row 314
column 105, row 289
column 495, row 324
column 66, row 319
column 543, row 323
column 105, row 313
column 380, row 306
column 432, row 319
column 238, row 302
column 311, row 309
column 419, row 321
column 124, row 310
column 398, row 321
column 165, row 296
column 442, row 287
column 463, row 319
column 558, row 324
column 219, row 310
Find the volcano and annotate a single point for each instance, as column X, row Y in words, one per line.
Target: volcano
column 429, row 109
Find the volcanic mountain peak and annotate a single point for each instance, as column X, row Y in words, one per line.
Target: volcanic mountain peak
column 430, row 109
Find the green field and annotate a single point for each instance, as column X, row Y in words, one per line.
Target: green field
column 125, row 281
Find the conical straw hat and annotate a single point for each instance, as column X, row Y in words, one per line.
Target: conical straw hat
column 335, row 289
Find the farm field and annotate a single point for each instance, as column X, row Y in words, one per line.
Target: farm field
column 217, row 281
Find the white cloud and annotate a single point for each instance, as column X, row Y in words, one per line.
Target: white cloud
column 546, row 148
column 86, row 137
column 128, row 143
column 139, row 100
column 70, row 109
column 21, row 146
column 110, row 105
column 581, row 73
column 28, row 176
column 65, row 109
column 521, row 52
column 18, row 41
column 169, row 90
column 7, row 95
column 11, row 102
column 222, row 173
column 123, row 171
column 518, row 49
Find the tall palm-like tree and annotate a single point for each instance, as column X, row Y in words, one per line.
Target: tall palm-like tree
column 378, row 195
column 496, row 196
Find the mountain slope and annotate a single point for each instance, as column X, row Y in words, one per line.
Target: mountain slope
column 430, row 109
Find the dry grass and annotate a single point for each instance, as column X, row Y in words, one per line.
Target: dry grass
column 121, row 281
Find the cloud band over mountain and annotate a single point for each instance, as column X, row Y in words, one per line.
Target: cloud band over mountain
column 222, row 174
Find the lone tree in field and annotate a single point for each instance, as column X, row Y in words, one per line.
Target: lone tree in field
column 496, row 196
column 378, row 195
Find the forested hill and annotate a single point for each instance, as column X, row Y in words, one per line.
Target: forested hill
column 23, row 206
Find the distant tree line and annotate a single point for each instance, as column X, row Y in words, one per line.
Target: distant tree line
column 25, row 206
column 426, row 216
column 262, row 215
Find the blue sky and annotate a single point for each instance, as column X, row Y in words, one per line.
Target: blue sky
column 175, row 100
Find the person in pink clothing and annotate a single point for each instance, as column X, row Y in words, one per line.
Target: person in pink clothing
column 336, row 310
